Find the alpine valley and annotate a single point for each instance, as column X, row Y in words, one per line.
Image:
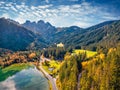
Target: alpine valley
column 71, row 58
column 32, row 35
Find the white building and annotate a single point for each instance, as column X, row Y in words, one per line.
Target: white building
column 60, row 45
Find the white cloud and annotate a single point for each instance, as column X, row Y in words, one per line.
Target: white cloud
column 6, row 8
column 45, row 6
column 33, row 8
column 2, row 2
column 21, row 13
column 82, row 24
column 80, row 14
column 21, row 20
column 47, row 1
column 5, row 15
column 19, row 7
column 73, row 0
column 14, row 9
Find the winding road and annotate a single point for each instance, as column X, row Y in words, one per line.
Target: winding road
column 52, row 80
column 79, row 77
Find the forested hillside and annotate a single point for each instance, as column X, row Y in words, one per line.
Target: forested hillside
column 15, row 37
column 64, row 33
column 74, row 32
column 102, row 73
column 68, row 73
column 104, row 35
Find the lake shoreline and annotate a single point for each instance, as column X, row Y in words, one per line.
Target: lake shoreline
column 50, row 85
column 28, row 79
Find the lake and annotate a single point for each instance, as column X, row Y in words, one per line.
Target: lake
column 27, row 79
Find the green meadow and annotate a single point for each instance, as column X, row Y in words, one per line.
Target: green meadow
column 88, row 53
column 55, row 65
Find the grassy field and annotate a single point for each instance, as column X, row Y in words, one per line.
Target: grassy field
column 88, row 53
column 11, row 70
column 55, row 65
column 46, row 68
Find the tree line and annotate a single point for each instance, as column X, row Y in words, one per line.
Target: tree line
column 18, row 57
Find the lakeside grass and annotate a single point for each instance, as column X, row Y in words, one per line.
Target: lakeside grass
column 46, row 68
column 88, row 53
column 52, row 64
column 12, row 69
column 50, row 85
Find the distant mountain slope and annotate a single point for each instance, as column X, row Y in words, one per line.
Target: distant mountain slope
column 45, row 29
column 64, row 33
column 15, row 37
column 100, row 25
column 104, row 35
column 51, row 33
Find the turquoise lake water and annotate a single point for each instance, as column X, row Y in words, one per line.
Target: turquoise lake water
column 27, row 79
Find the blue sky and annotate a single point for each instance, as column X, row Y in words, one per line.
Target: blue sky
column 61, row 13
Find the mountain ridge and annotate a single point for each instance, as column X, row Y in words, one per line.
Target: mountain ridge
column 44, row 28
column 41, row 34
column 15, row 37
column 98, row 36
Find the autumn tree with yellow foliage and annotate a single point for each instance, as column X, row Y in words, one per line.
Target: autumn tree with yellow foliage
column 103, row 73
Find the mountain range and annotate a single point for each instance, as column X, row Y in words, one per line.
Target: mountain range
column 15, row 37
column 44, row 28
column 35, row 35
column 106, row 34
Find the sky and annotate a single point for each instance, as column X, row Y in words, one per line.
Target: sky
column 61, row 13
